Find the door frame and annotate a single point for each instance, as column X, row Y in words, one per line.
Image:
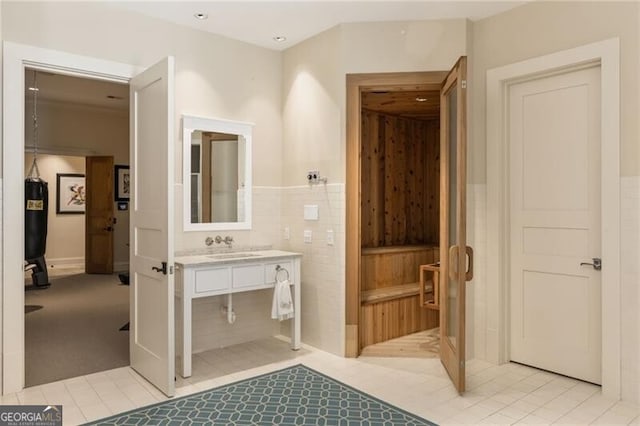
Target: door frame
column 356, row 84
column 605, row 54
column 15, row 58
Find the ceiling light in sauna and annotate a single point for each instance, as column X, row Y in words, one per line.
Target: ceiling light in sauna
column 280, row 39
column 420, row 99
column 201, row 16
column 34, row 89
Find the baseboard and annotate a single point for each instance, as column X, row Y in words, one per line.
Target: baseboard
column 78, row 262
column 65, row 262
column 121, row 266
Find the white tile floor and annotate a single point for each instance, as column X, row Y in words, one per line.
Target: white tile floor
column 501, row 395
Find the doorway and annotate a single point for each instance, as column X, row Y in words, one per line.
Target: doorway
column 555, row 223
column 455, row 257
column 604, row 54
column 400, row 205
column 73, row 327
column 152, row 149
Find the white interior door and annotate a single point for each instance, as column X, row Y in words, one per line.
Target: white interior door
column 554, row 131
column 152, row 168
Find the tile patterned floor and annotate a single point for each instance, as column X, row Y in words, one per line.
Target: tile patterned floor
column 500, row 395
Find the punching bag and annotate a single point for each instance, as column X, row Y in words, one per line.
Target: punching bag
column 36, row 193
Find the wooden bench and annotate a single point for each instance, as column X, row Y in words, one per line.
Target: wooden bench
column 393, row 292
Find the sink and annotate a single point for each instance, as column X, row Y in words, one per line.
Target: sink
column 233, row 255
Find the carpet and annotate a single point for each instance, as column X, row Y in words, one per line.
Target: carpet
column 295, row 395
column 77, row 330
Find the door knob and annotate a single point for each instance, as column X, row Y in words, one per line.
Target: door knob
column 163, row 269
column 597, row 263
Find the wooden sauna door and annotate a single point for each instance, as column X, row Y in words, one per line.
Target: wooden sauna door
column 453, row 248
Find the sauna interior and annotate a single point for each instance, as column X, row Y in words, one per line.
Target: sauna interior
column 400, row 178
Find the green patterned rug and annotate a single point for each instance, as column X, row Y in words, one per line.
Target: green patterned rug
column 296, row 395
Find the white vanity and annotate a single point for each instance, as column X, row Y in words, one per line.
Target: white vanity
column 215, row 274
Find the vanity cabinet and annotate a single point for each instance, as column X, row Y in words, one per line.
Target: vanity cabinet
column 226, row 274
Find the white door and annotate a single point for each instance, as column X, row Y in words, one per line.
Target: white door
column 151, row 241
column 554, row 132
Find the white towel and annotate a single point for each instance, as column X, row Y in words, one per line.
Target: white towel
column 282, row 306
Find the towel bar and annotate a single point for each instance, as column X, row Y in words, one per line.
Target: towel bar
column 280, row 269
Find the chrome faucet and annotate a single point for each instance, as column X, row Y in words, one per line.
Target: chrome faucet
column 228, row 240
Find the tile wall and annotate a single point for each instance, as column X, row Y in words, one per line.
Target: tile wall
column 630, row 287
column 323, row 264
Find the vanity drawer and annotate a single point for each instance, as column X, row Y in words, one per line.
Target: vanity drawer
column 248, row 276
column 270, row 271
column 212, row 280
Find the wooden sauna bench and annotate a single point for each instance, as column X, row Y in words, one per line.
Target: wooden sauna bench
column 390, row 284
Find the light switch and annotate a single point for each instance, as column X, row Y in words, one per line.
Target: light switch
column 311, row 212
column 307, row 236
column 286, row 234
column 330, row 237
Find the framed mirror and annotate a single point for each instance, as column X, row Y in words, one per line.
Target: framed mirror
column 216, row 174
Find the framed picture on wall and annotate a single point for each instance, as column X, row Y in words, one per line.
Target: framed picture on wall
column 71, row 193
column 122, row 185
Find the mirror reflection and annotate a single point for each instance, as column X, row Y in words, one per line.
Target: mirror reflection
column 216, row 177
column 217, row 174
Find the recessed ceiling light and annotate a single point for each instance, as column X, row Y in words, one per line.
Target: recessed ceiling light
column 201, row 16
column 280, row 39
column 420, row 99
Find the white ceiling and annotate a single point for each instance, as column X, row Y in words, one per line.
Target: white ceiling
column 257, row 22
column 76, row 90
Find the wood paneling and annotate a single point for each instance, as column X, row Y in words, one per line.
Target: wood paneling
column 356, row 85
column 390, row 301
column 400, row 163
column 404, row 103
column 385, row 267
column 394, row 318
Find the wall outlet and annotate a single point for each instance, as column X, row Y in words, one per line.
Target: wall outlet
column 330, row 241
column 286, row 233
column 307, row 236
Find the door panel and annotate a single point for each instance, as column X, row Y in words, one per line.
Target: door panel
column 152, row 225
column 555, row 223
column 453, row 249
column 99, row 215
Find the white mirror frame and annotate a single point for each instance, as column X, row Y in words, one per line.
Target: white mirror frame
column 189, row 125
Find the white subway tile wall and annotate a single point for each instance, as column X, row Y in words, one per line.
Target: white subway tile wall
column 323, row 265
column 630, row 287
column 476, row 293
column 253, row 309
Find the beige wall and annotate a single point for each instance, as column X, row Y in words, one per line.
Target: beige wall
column 314, row 127
column 85, row 130
column 314, row 76
column 539, row 28
column 245, row 85
column 65, row 232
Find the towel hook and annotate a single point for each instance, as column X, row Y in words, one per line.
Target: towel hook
column 281, row 269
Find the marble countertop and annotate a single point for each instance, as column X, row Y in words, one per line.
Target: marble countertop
column 227, row 257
